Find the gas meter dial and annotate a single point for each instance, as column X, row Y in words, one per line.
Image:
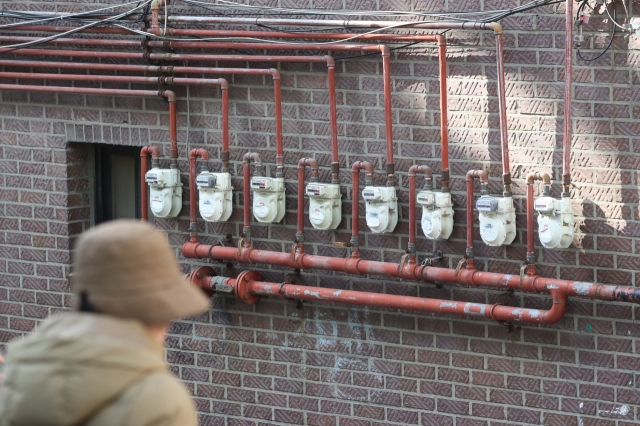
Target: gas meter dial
column 497, row 220
column 437, row 214
column 268, row 199
column 325, row 205
column 382, row 208
column 555, row 221
column 215, row 196
column 165, row 191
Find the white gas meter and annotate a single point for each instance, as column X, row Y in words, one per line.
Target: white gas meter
column 437, row 214
column 325, row 205
column 165, row 191
column 497, row 220
column 555, row 221
column 382, row 208
column 215, row 192
column 268, row 199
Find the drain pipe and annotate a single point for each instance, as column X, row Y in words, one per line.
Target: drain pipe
column 428, row 185
column 250, row 288
column 193, row 194
column 302, row 163
column 484, row 189
column 246, row 185
column 546, row 191
column 155, row 157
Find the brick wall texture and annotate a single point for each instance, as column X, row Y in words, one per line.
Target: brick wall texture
column 284, row 363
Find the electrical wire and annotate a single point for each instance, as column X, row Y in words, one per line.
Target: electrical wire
column 613, row 33
column 72, row 31
column 57, row 18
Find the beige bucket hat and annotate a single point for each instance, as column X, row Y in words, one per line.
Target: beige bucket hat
column 126, row 268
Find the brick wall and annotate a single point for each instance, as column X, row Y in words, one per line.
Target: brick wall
column 287, row 363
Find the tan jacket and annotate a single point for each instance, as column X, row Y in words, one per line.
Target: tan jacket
column 91, row 370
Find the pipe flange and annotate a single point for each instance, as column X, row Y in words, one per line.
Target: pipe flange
column 198, row 275
column 242, row 289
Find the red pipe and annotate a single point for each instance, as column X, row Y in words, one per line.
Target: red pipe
column 568, row 81
column 484, row 182
column 502, row 107
column 466, row 277
column 144, row 153
column 531, row 177
column 444, row 121
column 302, row 163
column 428, row 174
column 193, row 226
column 355, row 202
column 249, row 289
column 246, row 168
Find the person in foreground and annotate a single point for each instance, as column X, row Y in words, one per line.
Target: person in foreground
column 103, row 365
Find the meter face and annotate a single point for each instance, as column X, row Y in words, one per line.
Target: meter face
column 487, row 204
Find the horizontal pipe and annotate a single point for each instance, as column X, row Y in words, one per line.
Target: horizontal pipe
column 415, row 272
column 443, row 25
column 251, row 290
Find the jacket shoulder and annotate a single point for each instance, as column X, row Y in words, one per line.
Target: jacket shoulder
column 157, row 400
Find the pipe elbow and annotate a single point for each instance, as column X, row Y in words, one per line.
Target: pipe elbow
column 150, row 150
column 543, row 176
column 384, row 50
column 224, row 84
column 303, row 162
column 331, row 63
column 252, row 156
column 496, row 27
column 425, row 170
column 480, row 174
column 362, row 165
column 558, row 309
column 274, row 73
column 155, row 4
column 198, row 152
column 442, row 40
column 168, row 95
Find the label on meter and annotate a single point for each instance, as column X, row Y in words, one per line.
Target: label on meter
column 261, row 209
column 490, row 231
column 487, row 204
column 260, row 183
column 543, row 205
column 370, row 194
column 151, row 177
column 317, row 214
column 426, row 199
column 207, row 181
column 315, row 190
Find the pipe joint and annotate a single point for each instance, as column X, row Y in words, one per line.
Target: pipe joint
column 384, row 50
column 480, row 174
column 531, row 258
column 274, row 73
column 169, row 95
column 331, row 63
column 224, row 84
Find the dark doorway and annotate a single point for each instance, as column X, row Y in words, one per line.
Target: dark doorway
column 117, row 182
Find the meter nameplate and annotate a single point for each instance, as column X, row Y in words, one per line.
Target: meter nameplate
column 487, row 204
column 373, row 219
column 206, row 181
column 426, row 199
column 317, row 214
column 261, row 184
column 543, row 205
column 316, row 190
column 151, row 177
column 370, row 194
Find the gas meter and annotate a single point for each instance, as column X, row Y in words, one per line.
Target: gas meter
column 268, row 199
column 325, row 205
column 497, row 220
column 437, row 214
column 215, row 196
column 555, row 221
column 382, row 208
column 165, row 191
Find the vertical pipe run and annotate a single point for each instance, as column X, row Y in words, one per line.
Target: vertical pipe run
column 193, row 194
column 277, row 98
column 388, row 111
column 224, row 154
column 531, row 177
column 502, row 106
column 302, row 163
column 568, row 80
column 246, row 187
column 484, row 182
column 355, row 200
column 333, row 118
column 428, row 174
column 144, row 193
column 173, row 126
column 444, row 122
